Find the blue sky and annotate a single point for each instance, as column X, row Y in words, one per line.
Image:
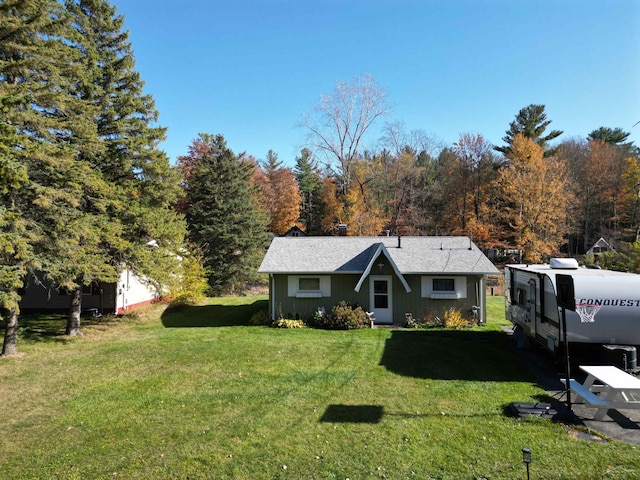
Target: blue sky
column 248, row 69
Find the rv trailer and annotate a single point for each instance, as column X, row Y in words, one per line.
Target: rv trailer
column 602, row 307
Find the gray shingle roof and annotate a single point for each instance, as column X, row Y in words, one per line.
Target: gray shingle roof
column 352, row 255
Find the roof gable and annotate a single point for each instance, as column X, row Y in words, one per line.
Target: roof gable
column 381, row 250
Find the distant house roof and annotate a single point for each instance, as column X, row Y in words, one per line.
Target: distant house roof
column 294, row 231
column 416, row 255
column 600, row 246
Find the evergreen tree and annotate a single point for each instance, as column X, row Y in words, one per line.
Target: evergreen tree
column 612, row 136
column 223, row 217
column 138, row 226
column 310, row 186
column 615, row 137
column 44, row 129
column 99, row 190
column 531, row 122
column 16, row 253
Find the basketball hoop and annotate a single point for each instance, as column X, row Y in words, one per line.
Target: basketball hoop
column 587, row 311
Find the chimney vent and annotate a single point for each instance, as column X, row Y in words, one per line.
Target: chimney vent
column 399, row 242
column 342, row 230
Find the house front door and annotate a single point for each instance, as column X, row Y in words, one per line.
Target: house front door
column 380, row 298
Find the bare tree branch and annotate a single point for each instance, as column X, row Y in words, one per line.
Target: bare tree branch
column 340, row 121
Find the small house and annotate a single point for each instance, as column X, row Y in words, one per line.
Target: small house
column 601, row 246
column 388, row 276
column 294, row 231
column 97, row 298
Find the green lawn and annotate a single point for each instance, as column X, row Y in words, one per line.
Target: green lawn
column 161, row 397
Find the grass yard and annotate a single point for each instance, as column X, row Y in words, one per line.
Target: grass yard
column 199, row 394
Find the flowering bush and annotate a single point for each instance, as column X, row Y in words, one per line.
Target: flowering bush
column 346, row 317
column 453, row 319
column 289, row 323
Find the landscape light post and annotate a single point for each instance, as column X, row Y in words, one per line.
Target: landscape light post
column 526, row 458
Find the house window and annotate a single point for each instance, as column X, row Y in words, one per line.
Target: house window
column 445, row 288
column 92, row 289
column 309, row 286
column 380, row 294
column 444, row 285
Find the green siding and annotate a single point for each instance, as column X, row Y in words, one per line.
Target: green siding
column 343, row 288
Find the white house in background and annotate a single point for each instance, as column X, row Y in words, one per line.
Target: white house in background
column 98, row 298
column 601, row 246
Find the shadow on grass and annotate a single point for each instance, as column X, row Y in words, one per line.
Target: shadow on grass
column 353, row 414
column 50, row 327
column 211, row 315
column 453, row 355
column 374, row 414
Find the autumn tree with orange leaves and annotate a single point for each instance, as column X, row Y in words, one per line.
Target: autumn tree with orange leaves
column 332, row 208
column 362, row 216
column 281, row 194
column 534, row 189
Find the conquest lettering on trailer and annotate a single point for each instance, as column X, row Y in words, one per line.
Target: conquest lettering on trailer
column 608, row 302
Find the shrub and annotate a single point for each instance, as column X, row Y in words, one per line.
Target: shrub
column 318, row 318
column 260, row 317
column 430, row 320
column 409, row 321
column 346, row 317
column 453, row 319
column 289, row 323
column 190, row 288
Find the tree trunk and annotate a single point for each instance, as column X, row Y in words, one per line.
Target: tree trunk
column 73, row 322
column 10, row 345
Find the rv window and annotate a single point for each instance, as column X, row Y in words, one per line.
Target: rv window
column 521, row 297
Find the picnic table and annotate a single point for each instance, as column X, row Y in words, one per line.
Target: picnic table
column 607, row 387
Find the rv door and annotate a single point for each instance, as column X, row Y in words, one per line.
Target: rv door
column 531, row 306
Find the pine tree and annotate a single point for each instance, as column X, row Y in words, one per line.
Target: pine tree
column 16, row 253
column 138, row 226
column 531, row 122
column 612, row 136
column 310, row 186
column 44, row 130
column 223, row 217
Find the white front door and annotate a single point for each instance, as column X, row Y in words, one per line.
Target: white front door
column 380, row 298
